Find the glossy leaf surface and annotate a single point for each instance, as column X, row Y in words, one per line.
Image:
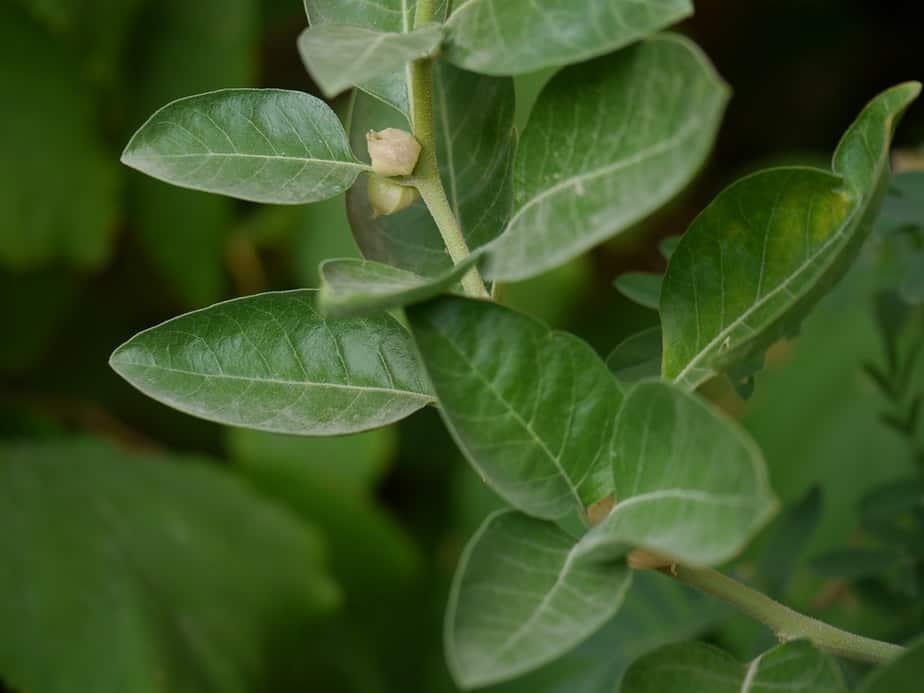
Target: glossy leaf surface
column 608, row 142
column 509, row 37
column 475, row 148
column 271, row 362
column 643, row 288
column 262, row 145
column 763, row 253
column 698, row 668
column 532, row 409
column 339, row 57
column 689, row 484
column 521, row 599
column 122, row 566
column 362, row 287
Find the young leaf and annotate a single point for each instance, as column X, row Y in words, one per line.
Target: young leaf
column 643, row 288
column 339, row 56
column 351, row 287
column 532, row 409
column 520, row 598
column 637, row 357
column 763, row 253
column 271, row 362
column 689, row 484
column 393, row 16
column 475, row 148
column 263, row 145
column 904, row 675
column 608, row 142
column 121, row 566
column 511, row 37
column 796, row 667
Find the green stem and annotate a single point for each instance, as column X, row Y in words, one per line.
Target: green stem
column 427, row 174
column 786, row 623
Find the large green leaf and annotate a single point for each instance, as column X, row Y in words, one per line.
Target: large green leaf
column 904, row 675
column 60, row 208
column 340, row 56
column 361, row 287
column 179, row 229
column 510, row 37
column 263, row 145
column 698, row 668
column 532, row 409
column 520, row 599
column 689, row 484
column 391, row 16
column 608, row 142
column 271, row 362
column 475, row 147
column 762, row 254
column 139, row 573
column 656, row 611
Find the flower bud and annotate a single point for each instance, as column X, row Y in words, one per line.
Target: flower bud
column 387, row 197
column 393, row 152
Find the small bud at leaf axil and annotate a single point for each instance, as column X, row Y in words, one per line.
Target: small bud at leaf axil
column 387, row 197
column 393, row 152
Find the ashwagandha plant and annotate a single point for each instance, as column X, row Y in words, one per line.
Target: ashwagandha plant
column 448, row 206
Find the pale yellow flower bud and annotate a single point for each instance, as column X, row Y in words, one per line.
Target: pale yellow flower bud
column 393, row 152
column 387, row 197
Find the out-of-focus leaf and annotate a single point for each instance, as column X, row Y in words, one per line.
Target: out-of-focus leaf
column 509, row 37
column 688, row 483
column 532, row 409
column 272, row 363
column 58, row 184
column 763, row 253
column 475, row 150
column 637, row 357
column 552, row 296
column 904, row 675
column 857, row 562
column 196, row 47
column 340, row 56
column 699, row 668
column 786, row 540
column 139, row 573
column 520, row 599
column 903, row 207
column 322, row 232
column 631, row 142
column 642, row 287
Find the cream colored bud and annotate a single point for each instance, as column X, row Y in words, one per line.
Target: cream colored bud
column 393, row 152
column 387, row 197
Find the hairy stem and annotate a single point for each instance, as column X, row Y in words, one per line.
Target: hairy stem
column 427, row 175
column 786, row 623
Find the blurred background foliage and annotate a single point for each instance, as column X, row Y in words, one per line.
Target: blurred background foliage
column 202, row 550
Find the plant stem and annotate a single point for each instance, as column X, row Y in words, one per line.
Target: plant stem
column 427, row 175
column 786, row 623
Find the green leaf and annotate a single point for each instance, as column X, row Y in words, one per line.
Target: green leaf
column 270, row 362
column 637, row 357
column 901, row 676
column 699, row 668
column 510, row 37
column 532, row 409
column 263, row 145
column 520, row 599
column 61, row 209
column 608, row 143
column 339, row 57
column 763, row 253
column 351, row 287
column 656, row 611
column 128, row 573
column 643, row 288
column 475, row 150
column 786, row 540
column 855, row 563
column 179, row 229
column 689, row 484
column 391, row 16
